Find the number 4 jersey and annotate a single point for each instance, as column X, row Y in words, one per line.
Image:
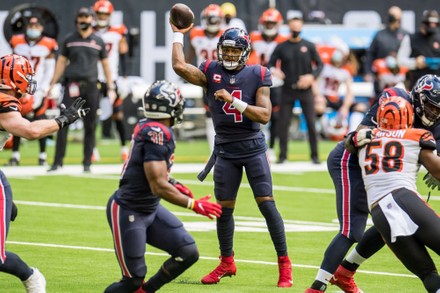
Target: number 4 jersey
column 230, row 124
column 391, row 160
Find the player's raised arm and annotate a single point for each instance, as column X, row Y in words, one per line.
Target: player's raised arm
column 185, row 70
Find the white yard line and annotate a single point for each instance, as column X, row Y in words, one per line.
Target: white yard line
column 74, row 247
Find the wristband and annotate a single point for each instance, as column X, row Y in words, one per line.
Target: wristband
column 239, row 104
column 178, row 38
column 190, row 204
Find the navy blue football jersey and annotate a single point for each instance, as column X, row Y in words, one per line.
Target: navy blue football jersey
column 229, row 123
column 370, row 117
column 151, row 141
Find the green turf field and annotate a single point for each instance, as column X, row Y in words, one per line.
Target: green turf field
column 61, row 228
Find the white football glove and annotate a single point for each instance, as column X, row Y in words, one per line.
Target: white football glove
column 362, row 137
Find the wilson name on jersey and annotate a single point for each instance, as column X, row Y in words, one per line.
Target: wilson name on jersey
column 391, row 160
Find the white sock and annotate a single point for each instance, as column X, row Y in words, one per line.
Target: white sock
column 323, row 276
column 355, row 257
column 43, row 156
column 16, row 155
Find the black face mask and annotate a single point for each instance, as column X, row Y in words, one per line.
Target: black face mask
column 295, row 34
column 431, row 30
column 391, row 18
column 84, row 25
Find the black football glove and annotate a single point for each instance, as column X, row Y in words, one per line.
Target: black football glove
column 14, row 211
column 431, row 181
column 71, row 114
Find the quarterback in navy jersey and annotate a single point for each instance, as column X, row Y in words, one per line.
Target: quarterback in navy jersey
column 134, row 212
column 239, row 100
column 351, row 198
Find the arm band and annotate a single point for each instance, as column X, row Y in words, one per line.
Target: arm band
column 190, row 204
column 178, row 38
column 239, row 104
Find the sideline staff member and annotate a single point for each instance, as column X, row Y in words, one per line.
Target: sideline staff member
column 300, row 66
column 79, row 57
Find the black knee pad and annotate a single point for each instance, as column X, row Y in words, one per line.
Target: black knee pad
column 187, row 254
column 431, row 281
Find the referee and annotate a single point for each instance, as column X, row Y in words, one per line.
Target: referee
column 78, row 60
column 300, row 66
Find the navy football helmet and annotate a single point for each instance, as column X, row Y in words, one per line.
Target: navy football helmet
column 163, row 100
column 426, row 98
column 234, row 38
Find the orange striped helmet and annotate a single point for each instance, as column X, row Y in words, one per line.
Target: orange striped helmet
column 395, row 113
column 270, row 21
column 103, row 6
column 16, row 73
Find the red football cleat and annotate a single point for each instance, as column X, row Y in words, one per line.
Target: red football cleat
column 343, row 278
column 310, row 290
column 285, row 270
column 226, row 268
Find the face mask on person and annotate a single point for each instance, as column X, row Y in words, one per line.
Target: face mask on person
column 33, row 33
column 392, row 18
column 295, row 34
column 84, row 25
column 431, row 30
column 337, row 57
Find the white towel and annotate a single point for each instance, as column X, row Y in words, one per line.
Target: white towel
column 399, row 221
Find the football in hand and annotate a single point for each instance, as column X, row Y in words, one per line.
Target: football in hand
column 181, row 16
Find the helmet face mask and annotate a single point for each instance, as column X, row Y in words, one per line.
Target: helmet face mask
column 395, row 113
column 232, row 40
column 270, row 21
column 211, row 18
column 103, row 9
column 426, row 97
column 16, row 73
column 163, row 100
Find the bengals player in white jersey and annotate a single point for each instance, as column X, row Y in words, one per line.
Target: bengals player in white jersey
column 390, row 163
column 203, row 40
column 263, row 42
column 40, row 51
column 115, row 40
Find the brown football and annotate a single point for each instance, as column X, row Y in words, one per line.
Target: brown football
column 181, row 16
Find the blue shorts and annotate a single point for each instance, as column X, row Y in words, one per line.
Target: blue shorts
column 229, row 172
column 132, row 230
column 351, row 197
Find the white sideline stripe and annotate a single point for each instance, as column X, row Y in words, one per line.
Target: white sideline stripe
column 184, row 214
column 201, row 257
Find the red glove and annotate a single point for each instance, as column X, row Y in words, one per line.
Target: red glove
column 203, row 207
column 182, row 188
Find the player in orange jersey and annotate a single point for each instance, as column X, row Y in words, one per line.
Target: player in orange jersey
column 115, row 40
column 263, row 42
column 40, row 51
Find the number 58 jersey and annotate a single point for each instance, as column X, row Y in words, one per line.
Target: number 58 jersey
column 391, row 160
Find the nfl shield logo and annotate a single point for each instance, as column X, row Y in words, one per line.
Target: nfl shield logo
column 232, row 80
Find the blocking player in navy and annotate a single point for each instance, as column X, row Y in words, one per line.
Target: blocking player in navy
column 134, row 212
column 17, row 80
column 239, row 100
column 351, row 199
